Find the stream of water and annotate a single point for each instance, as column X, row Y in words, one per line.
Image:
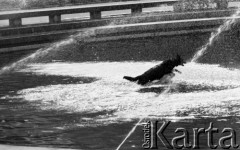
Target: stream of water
column 81, row 104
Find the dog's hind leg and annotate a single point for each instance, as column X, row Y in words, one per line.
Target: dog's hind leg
column 130, row 78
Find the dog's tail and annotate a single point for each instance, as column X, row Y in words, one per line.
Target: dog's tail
column 130, row 78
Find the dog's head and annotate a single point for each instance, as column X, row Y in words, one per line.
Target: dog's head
column 179, row 60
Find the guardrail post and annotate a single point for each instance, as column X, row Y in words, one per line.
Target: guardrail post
column 222, row 4
column 54, row 18
column 137, row 9
column 15, row 22
column 95, row 15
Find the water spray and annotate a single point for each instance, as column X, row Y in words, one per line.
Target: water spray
column 226, row 26
column 130, row 133
column 214, row 36
column 78, row 38
column 141, row 119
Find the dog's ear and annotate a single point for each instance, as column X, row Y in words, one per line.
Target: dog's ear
column 180, row 60
column 178, row 57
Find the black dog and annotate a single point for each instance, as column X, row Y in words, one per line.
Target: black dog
column 158, row 72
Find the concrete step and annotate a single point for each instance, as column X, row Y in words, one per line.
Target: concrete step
column 110, row 33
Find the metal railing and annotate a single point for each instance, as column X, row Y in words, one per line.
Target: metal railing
column 54, row 14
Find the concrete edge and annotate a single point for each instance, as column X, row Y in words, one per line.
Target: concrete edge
column 110, row 38
column 22, row 48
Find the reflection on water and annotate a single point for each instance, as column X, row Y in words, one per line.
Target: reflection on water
column 71, row 104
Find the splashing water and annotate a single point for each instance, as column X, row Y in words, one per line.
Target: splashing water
column 130, row 133
column 126, row 100
column 74, row 39
column 78, row 38
column 215, row 35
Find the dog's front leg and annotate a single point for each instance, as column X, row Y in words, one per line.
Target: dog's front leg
column 177, row 71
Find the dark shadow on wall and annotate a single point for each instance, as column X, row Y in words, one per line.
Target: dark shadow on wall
column 141, row 49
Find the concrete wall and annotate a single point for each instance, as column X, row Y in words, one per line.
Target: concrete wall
column 36, row 36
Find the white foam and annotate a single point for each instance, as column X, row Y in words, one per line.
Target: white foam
column 112, row 93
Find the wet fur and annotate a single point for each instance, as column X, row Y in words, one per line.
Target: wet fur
column 157, row 72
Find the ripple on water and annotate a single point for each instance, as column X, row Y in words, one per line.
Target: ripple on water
column 200, row 88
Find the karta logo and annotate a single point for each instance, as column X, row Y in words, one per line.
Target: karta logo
column 152, row 136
